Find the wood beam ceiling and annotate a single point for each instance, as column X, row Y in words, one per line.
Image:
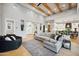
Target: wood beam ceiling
column 58, row 6
column 76, row 5
column 38, row 8
column 46, row 6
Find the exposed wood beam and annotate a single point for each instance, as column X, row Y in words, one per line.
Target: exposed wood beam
column 70, row 6
column 46, row 6
column 58, row 6
column 75, row 5
column 39, row 9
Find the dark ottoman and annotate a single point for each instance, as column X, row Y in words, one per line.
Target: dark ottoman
column 9, row 45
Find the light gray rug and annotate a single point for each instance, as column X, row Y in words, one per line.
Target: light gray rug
column 36, row 49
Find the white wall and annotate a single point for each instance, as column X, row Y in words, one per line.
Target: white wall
column 0, row 19
column 59, row 27
column 17, row 13
column 65, row 17
column 75, row 25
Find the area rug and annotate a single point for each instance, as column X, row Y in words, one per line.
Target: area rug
column 36, row 49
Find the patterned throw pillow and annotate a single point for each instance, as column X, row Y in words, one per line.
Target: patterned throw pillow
column 13, row 37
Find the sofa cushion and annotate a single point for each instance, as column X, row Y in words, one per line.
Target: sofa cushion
column 52, row 41
column 52, row 36
column 44, row 37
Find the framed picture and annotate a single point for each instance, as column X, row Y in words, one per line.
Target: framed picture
column 22, row 25
column 9, row 28
column 9, row 25
column 43, row 28
column 68, row 25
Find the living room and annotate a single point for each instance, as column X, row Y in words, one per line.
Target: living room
column 44, row 30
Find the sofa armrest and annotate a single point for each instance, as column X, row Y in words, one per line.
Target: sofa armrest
column 58, row 44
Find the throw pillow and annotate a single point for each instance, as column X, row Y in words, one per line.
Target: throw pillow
column 7, row 39
column 13, row 37
column 58, row 37
column 52, row 36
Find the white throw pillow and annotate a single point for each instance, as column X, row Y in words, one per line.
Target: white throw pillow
column 13, row 37
column 8, row 39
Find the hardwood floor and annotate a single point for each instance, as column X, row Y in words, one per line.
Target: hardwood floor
column 75, row 40
column 18, row 52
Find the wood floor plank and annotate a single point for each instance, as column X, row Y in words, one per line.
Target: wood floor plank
column 18, row 52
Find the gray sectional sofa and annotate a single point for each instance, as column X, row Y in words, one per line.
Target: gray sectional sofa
column 53, row 44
